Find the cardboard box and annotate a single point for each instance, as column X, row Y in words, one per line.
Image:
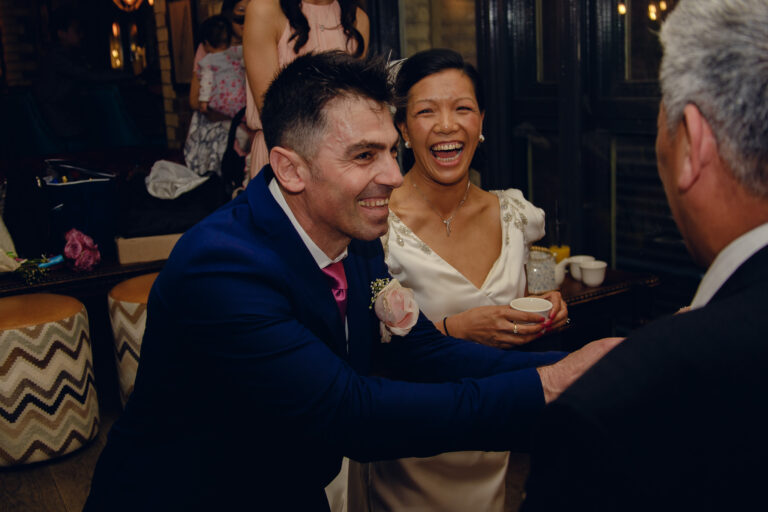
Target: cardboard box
column 145, row 248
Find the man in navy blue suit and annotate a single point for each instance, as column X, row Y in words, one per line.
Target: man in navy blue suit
column 675, row 418
column 252, row 385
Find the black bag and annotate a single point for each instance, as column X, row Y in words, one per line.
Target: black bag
column 83, row 199
column 232, row 164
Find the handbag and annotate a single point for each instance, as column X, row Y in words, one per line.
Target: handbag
column 77, row 197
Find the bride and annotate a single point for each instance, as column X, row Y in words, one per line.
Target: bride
column 462, row 250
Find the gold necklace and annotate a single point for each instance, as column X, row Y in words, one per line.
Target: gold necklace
column 447, row 221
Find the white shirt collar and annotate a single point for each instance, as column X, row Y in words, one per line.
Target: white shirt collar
column 320, row 257
column 727, row 261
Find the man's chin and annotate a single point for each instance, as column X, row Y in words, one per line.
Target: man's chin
column 373, row 233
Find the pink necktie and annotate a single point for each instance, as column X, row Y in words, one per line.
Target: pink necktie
column 338, row 280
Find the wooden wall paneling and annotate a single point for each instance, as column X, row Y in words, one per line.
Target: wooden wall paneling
column 385, row 27
column 493, row 64
column 570, row 120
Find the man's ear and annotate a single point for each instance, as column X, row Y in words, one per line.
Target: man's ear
column 288, row 166
column 701, row 147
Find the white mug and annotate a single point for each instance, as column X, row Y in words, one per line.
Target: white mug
column 536, row 305
column 575, row 264
column 593, row 272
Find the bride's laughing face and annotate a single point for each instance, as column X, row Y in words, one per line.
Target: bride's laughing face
column 443, row 125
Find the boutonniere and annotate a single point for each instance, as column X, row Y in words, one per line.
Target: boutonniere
column 395, row 307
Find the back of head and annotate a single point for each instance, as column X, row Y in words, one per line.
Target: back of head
column 216, row 31
column 293, row 114
column 429, row 62
column 716, row 57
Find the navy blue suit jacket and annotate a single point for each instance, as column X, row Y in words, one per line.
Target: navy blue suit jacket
column 246, row 394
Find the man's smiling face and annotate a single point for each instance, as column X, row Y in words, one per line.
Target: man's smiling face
column 352, row 173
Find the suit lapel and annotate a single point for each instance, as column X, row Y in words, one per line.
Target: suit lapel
column 358, row 314
column 308, row 288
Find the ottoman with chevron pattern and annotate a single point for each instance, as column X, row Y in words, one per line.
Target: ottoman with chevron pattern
column 48, row 403
column 128, row 314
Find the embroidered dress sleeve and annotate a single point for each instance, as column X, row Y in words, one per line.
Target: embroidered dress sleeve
column 522, row 215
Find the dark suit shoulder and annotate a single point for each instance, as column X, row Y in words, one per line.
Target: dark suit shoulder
column 681, row 399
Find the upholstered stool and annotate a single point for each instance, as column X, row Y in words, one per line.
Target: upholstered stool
column 48, row 403
column 128, row 314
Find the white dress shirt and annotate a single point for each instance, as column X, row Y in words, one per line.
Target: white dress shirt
column 727, row 261
column 336, row 491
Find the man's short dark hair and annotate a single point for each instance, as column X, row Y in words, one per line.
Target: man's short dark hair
column 293, row 113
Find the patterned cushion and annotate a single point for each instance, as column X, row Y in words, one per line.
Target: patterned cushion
column 128, row 314
column 48, row 402
column 128, row 321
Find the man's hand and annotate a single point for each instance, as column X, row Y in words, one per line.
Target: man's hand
column 556, row 378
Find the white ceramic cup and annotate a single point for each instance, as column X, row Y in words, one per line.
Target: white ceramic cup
column 575, row 264
column 593, row 272
column 535, row 305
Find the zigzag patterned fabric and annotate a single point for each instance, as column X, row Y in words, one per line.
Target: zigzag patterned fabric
column 48, row 402
column 128, row 322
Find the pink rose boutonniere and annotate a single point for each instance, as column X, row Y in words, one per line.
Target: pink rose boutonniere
column 395, row 306
column 81, row 250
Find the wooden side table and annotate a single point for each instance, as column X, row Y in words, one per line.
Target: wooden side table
column 622, row 302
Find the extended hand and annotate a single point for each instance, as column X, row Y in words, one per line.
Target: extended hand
column 556, row 378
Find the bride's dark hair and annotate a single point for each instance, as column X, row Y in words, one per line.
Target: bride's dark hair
column 300, row 25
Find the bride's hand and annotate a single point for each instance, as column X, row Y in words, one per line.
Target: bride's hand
column 495, row 326
column 558, row 316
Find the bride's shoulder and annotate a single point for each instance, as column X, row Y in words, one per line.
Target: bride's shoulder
column 513, row 197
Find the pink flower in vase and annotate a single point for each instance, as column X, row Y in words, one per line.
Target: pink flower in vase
column 81, row 250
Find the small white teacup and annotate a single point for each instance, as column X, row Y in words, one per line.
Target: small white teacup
column 575, row 263
column 593, row 272
column 534, row 305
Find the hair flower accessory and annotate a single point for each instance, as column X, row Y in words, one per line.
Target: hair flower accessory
column 395, row 306
column 81, row 250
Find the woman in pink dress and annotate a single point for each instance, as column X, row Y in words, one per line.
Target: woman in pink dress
column 278, row 31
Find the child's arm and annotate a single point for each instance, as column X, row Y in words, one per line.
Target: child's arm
column 206, row 86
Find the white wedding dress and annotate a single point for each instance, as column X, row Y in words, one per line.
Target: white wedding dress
column 458, row 481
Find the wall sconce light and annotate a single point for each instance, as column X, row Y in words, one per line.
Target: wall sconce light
column 129, row 5
column 115, row 48
column 622, row 8
column 652, row 11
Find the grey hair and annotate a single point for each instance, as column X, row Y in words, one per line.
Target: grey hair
column 716, row 57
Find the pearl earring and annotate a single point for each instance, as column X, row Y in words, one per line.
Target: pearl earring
column 482, row 138
column 408, row 144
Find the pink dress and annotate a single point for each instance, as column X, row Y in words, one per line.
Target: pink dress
column 222, row 80
column 325, row 33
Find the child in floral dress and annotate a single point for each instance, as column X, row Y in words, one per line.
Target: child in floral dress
column 222, row 91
